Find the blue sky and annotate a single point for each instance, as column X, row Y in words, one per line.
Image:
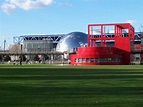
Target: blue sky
column 24, row 17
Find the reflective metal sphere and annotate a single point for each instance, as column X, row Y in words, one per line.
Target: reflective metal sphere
column 71, row 41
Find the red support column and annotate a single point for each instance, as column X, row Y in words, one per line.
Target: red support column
column 89, row 35
column 101, row 35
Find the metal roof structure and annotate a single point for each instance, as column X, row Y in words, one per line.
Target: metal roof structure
column 55, row 38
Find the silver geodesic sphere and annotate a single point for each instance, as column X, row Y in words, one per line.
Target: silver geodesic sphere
column 71, row 41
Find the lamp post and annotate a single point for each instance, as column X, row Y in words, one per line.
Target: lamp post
column 4, row 45
column 3, row 51
column 21, row 58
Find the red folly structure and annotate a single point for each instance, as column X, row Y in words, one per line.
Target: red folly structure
column 105, row 47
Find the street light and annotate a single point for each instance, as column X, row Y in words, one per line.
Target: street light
column 3, row 51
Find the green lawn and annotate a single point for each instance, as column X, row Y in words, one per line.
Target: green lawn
column 71, row 86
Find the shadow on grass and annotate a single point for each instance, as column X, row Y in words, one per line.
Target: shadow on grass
column 70, row 87
column 67, row 74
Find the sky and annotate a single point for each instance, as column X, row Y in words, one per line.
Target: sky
column 25, row 17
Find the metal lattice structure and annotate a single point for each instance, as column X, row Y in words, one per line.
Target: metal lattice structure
column 38, row 44
column 54, row 38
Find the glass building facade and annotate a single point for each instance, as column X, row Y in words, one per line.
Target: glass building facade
column 38, row 45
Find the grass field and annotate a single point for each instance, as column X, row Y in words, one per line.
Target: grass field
column 71, row 86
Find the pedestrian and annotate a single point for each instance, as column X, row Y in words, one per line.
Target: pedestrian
column 20, row 61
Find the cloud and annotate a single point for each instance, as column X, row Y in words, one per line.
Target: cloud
column 131, row 21
column 65, row 4
column 8, row 8
column 30, row 4
column 10, row 5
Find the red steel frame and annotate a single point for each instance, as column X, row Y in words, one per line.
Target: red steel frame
column 117, row 32
column 93, row 55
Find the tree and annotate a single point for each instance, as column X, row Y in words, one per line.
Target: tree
column 7, row 58
column 0, row 57
column 15, row 48
column 23, row 57
column 46, row 57
column 36, row 58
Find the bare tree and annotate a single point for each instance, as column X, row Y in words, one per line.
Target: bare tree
column 15, row 48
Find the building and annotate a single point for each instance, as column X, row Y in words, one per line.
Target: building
column 51, row 40
column 104, row 48
column 37, row 43
column 104, row 44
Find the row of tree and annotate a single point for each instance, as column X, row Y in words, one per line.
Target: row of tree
column 5, row 58
column 23, row 57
